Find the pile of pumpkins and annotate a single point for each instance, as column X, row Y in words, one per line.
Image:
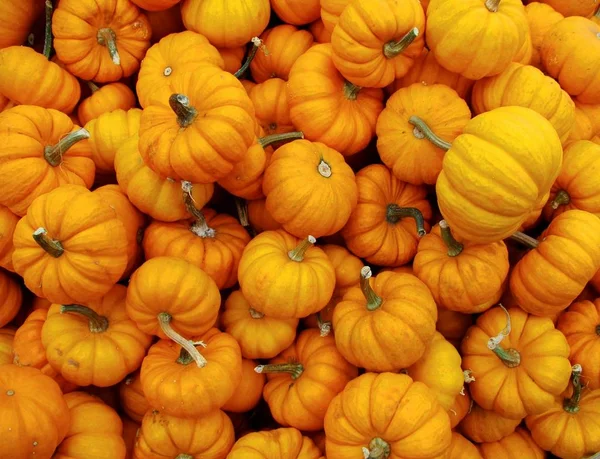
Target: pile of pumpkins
column 298, row 229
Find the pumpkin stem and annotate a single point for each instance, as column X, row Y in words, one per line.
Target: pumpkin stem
column 97, row 323
column 164, row 320
column 93, row 86
column 562, row 198
column 468, row 376
column 184, row 356
column 52, row 247
column 294, row 369
column 571, row 405
column 274, row 138
column 184, row 456
column 351, row 91
column 423, row 131
column 297, row 254
column 107, row 37
column 373, row 300
column 242, row 211
column 395, row 213
column 48, row 32
column 524, row 239
column 324, row 326
column 199, row 227
column 392, row 48
column 324, row 169
column 256, row 44
column 454, row 247
column 598, row 330
column 186, row 114
column 378, row 449
column 510, row 357
column 54, row 153
column 492, row 5
column 255, row 314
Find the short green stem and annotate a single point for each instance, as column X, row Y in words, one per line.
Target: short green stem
column 184, row 456
column 562, row 198
column 97, row 323
column 51, row 246
column 180, row 104
column 423, row 131
column 374, row 301
column 297, row 254
column 107, row 37
column 492, row 5
column 93, row 86
column 48, row 32
column 395, row 213
column 378, row 449
column 275, row 138
column 393, row 48
column 351, row 91
column 454, row 247
column 524, row 239
column 54, row 153
column 571, row 405
column 256, row 44
column 242, row 210
column 294, row 369
column 510, row 357
column 164, row 321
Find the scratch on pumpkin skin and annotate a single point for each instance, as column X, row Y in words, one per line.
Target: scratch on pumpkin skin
column 73, row 363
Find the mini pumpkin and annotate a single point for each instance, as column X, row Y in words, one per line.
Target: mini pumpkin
column 330, row 12
column 165, row 22
column 459, row 409
column 11, row 298
column 516, row 444
column 319, row 32
column 16, row 19
column 282, row 443
column 270, row 100
column 453, row 325
column 8, row 222
column 259, row 218
column 233, row 58
column 583, row 8
column 297, row 12
column 131, row 396
column 461, row 448
column 104, row 99
column 483, row 426
column 7, row 335
column 249, row 392
column 155, row 5
column 541, row 17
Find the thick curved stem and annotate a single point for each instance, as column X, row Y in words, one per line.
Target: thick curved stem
column 571, row 405
column 324, row 326
column 294, row 369
column 378, row 449
column 48, row 32
column 454, row 247
column 180, row 104
column 423, row 131
column 392, row 48
column 54, row 153
column 373, row 300
column 256, row 44
column 562, row 198
column 199, row 227
column 164, row 320
column 297, row 254
column 351, row 91
column 97, row 323
column 395, row 213
column 524, row 239
column 275, row 138
column 510, row 357
column 492, row 5
column 107, row 37
column 51, row 246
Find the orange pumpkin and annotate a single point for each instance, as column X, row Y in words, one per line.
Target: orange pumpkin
column 583, row 128
column 259, row 217
column 541, row 18
column 130, row 430
column 573, row 7
column 395, row 38
column 131, row 396
column 8, row 222
column 104, row 99
column 416, row 128
column 320, row 32
column 461, row 448
column 481, row 425
column 165, row 22
column 460, row 408
column 41, row 151
column 329, row 109
column 389, row 402
column 155, row 5
column 282, row 443
column 71, row 246
column 518, row 444
column 35, row 417
column 453, row 325
column 525, row 53
column 249, row 392
column 297, row 12
column 330, row 12
column 16, row 19
column 7, row 335
column 233, row 58
column 592, row 112
column 391, row 215
column 270, row 101
column 102, row 42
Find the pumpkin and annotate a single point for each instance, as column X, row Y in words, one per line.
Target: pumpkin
column 518, row 444
column 526, row 86
column 220, row 137
column 466, row 278
column 525, row 53
column 460, row 408
column 508, row 365
column 481, row 425
column 162, row 436
column 41, row 151
column 29, row 78
column 427, row 71
column 270, row 100
column 226, row 25
column 568, row 429
column 11, row 297
column 497, row 172
column 398, row 303
column 389, row 219
column 330, row 12
column 319, row 32
column 282, row 443
column 130, row 430
column 104, row 99
column 297, row 12
column 565, row 260
column 97, row 344
column 212, row 242
column 592, row 112
column 379, row 407
column 453, row 325
column 249, row 392
column 164, row 22
column 155, row 5
column 132, row 397
column 16, row 19
column 260, row 219
column 583, row 128
column 96, row 430
column 7, row 336
column 102, row 42
column 541, row 18
column 575, row 187
column 210, row 378
column 414, row 130
column 8, row 222
column 233, row 58
column 35, row 417
column 376, row 41
column 285, row 44
column 259, row 336
column 329, row 109
column 461, row 448
column 574, row 7
column 173, row 55
column 581, row 326
column 570, row 52
column 303, row 380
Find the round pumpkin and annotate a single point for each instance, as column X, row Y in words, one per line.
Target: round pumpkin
column 592, row 112
column 461, row 448
column 260, row 219
column 453, row 325
column 270, row 100
column 11, row 297
column 8, row 222
column 319, row 32
column 16, row 19
column 573, row 7
column 7, row 335
column 131, row 396
column 282, row 443
column 232, row 57
column 249, row 392
column 297, row 12
column 482, row 426
column 105, row 99
column 541, row 18
column 330, row 12
column 518, row 444
column 460, row 408
column 583, row 128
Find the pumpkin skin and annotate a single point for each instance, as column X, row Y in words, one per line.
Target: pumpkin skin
column 330, row 12
column 469, row 282
column 226, row 25
column 8, row 222
column 104, row 99
column 215, row 245
column 96, row 430
column 160, row 198
column 583, row 8
column 11, row 298
column 583, row 128
column 592, row 112
column 373, row 232
column 28, row 168
column 541, row 18
column 249, row 392
column 173, row 55
column 277, row 285
column 84, row 34
column 459, row 409
column 526, row 86
column 28, row 78
column 6, row 349
column 389, row 401
column 17, row 17
column 155, row 5
column 525, row 54
column 527, row 155
column 37, row 419
column 319, row 32
column 233, row 58
column 132, row 397
column 365, row 42
column 259, row 336
column 407, row 314
column 90, row 262
column 270, row 100
column 206, row 389
column 402, row 146
column 130, row 430
column 513, row 392
column 565, row 260
column 286, row 44
column 461, row 448
column 570, row 53
column 518, row 443
column 86, row 351
column 581, row 326
column 328, row 109
column 483, row 426
column 282, row 443
column 165, row 22
column 162, row 436
column 260, row 219
column 221, row 136
column 304, row 379
column 453, row 325
column 297, row 12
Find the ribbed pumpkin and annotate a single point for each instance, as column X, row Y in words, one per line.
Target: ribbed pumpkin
column 104, row 99
column 131, row 396
column 260, row 219
column 270, row 100
column 482, row 426
column 461, row 406
column 233, row 58
column 453, row 325
column 461, row 448
column 16, row 19
column 541, row 17
column 573, row 7
column 283, row 443
column 319, row 32
column 297, row 12
column 7, row 335
column 249, row 392
column 330, row 12
column 8, row 223
column 518, row 444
